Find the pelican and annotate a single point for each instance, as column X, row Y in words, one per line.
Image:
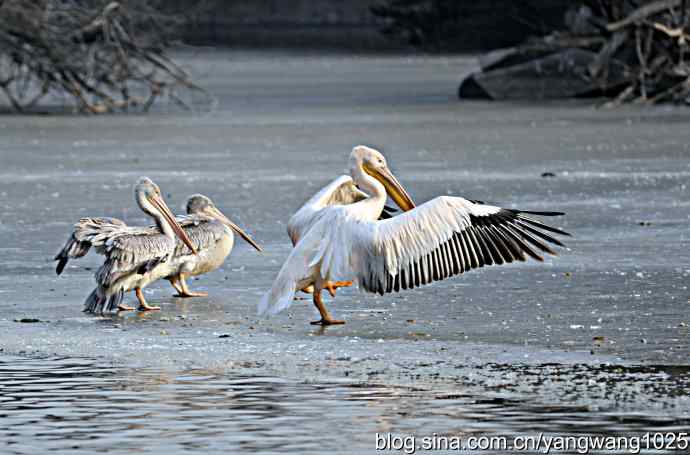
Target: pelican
column 341, row 191
column 211, row 233
column 134, row 256
column 441, row 238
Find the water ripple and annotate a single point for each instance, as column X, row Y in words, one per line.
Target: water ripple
column 77, row 406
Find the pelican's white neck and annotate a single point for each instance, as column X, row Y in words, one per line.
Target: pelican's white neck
column 371, row 186
column 164, row 226
column 153, row 212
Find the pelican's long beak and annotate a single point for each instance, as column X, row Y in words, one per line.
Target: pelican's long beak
column 217, row 214
column 393, row 187
column 170, row 218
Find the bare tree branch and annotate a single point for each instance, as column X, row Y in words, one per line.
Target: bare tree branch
column 106, row 55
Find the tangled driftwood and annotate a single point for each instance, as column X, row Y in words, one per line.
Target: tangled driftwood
column 628, row 50
column 105, row 56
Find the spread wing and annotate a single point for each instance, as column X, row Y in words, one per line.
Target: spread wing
column 444, row 237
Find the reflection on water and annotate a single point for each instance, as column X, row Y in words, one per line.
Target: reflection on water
column 78, row 406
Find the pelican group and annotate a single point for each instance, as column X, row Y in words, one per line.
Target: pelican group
column 343, row 235
column 341, row 239
column 174, row 248
column 134, row 256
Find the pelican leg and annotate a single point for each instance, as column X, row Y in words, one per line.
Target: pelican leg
column 174, row 281
column 308, row 290
column 326, row 318
column 143, row 306
column 185, row 292
column 332, row 286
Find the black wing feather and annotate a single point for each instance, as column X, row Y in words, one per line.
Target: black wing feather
column 502, row 237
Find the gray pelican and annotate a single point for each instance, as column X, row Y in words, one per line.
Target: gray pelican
column 441, row 238
column 341, row 191
column 211, row 232
column 134, row 256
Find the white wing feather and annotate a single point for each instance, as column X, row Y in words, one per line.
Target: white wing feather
column 341, row 191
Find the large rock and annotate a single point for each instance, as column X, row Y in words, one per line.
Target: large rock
column 514, row 74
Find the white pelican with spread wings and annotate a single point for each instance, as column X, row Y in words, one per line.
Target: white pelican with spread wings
column 441, row 238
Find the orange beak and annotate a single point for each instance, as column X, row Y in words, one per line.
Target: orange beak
column 170, row 218
column 393, row 187
column 217, row 214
